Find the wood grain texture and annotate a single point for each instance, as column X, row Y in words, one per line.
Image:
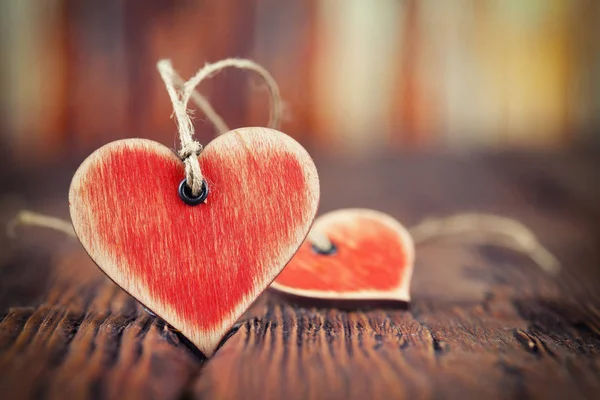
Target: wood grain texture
column 198, row 267
column 373, row 259
column 483, row 322
column 88, row 340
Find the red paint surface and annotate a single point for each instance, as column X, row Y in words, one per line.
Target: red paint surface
column 200, row 260
column 371, row 256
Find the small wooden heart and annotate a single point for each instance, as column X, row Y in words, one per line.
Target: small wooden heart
column 197, row 267
column 373, row 259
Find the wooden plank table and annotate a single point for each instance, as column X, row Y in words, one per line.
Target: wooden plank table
column 484, row 322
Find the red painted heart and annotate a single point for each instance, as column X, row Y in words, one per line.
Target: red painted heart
column 198, row 267
column 373, row 259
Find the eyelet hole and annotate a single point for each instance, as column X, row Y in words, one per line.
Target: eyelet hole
column 325, row 252
column 185, row 193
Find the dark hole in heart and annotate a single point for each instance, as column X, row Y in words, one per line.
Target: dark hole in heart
column 185, row 193
column 325, row 252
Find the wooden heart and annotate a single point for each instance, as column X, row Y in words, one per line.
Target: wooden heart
column 198, row 267
column 373, row 259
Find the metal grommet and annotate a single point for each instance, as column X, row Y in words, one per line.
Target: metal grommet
column 325, row 252
column 185, row 193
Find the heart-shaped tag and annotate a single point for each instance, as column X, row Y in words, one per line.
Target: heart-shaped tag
column 372, row 258
column 198, row 267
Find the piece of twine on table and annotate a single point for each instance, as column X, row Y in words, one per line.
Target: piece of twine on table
column 478, row 228
column 475, row 228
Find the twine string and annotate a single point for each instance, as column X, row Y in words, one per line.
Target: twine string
column 475, row 228
column 204, row 105
column 486, row 229
column 189, row 91
column 30, row 218
column 180, row 93
column 190, row 149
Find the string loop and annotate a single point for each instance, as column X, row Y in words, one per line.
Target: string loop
column 180, row 97
column 192, row 149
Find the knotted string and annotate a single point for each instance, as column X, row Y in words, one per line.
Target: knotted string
column 180, row 97
column 190, row 149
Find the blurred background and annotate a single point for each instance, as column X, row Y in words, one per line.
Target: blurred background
column 416, row 108
column 357, row 76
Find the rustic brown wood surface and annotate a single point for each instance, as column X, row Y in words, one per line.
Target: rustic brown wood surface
column 484, row 322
